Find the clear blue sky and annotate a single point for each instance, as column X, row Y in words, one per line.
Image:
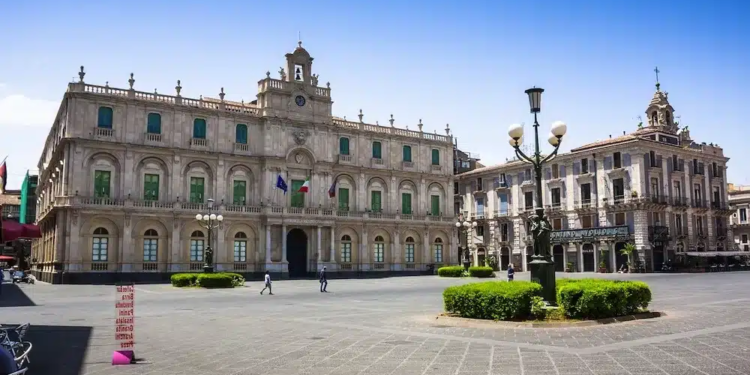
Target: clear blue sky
column 466, row 63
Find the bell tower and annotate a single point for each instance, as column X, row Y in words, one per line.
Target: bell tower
column 659, row 112
column 299, row 66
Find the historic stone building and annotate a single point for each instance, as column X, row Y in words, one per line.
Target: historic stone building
column 125, row 172
column 739, row 202
column 655, row 188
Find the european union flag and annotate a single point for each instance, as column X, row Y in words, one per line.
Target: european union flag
column 281, row 184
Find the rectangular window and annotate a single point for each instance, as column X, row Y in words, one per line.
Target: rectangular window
column 584, row 166
column 503, row 199
column 555, row 171
column 743, row 215
column 297, row 198
column 99, row 249
column 406, row 203
column 377, row 150
column 587, row 222
column 240, row 251
column 657, row 218
column 344, row 146
column 343, row 199
column 105, row 118
column 410, row 253
column 675, row 164
column 620, row 218
column 617, row 160
column 586, row 193
column 697, row 194
column 480, row 230
column 527, row 175
column 556, row 200
column 455, row 188
column 699, row 225
column 655, row 187
column 101, row 184
column 375, row 201
column 528, row 199
column 678, row 224
column 744, row 238
column 435, row 205
column 480, row 207
column 199, row 128
column 678, row 190
column 652, row 158
column 438, row 253
column 151, row 187
column 407, row 154
column 379, row 252
column 150, row 249
column 346, row 252
column 240, row 134
column 717, row 197
column 618, row 188
column 504, row 232
column 557, row 224
column 196, row 250
column 479, row 184
column 239, row 193
column 435, row 157
column 153, row 125
column 695, row 166
column 196, row 189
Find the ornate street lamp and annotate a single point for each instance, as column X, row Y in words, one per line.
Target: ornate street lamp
column 464, row 227
column 542, row 265
column 209, row 221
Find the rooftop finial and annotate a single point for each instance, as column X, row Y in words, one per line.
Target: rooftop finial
column 221, row 94
column 178, row 88
column 391, row 120
column 299, row 39
column 447, row 129
column 131, row 81
column 656, row 70
column 361, row 115
column 420, row 125
column 81, row 74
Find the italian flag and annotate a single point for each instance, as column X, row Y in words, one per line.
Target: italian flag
column 305, row 187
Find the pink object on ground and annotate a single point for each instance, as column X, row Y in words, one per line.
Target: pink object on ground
column 122, row 357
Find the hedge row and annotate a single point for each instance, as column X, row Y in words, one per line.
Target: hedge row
column 458, row 271
column 208, row 280
column 481, row 272
column 578, row 299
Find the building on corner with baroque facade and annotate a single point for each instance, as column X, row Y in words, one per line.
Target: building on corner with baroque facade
column 655, row 188
column 124, row 173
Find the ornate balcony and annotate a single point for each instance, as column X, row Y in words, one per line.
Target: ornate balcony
column 585, row 205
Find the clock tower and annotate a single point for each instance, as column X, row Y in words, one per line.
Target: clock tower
column 295, row 95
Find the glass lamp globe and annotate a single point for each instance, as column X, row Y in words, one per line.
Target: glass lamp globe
column 212, row 217
column 515, row 131
column 458, row 224
column 553, row 140
column 559, row 128
column 466, row 224
column 199, row 217
column 220, row 218
column 205, row 217
column 474, row 224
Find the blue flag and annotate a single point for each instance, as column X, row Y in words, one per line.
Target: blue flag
column 280, row 184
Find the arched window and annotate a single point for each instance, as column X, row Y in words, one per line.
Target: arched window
column 379, row 249
column 654, row 118
column 241, row 134
column 196, row 246
column 199, row 128
column 407, row 153
column 100, row 245
column 346, row 249
column 240, row 247
column 153, row 126
column 106, row 115
column 377, row 150
column 438, row 247
column 409, row 250
column 668, row 118
column 150, row 245
column 343, row 146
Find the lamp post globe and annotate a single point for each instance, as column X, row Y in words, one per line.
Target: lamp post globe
column 559, row 128
column 515, row 131
column 553, row 140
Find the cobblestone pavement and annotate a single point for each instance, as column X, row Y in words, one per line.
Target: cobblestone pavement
column 382, row 326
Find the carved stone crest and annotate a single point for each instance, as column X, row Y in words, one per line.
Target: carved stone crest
column 300, row 136
column 299, row 158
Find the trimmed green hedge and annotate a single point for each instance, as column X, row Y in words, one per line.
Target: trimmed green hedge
column 598, row 299
column 451, row 271
column 481, row 272
column 497, row 300
column 208, row 280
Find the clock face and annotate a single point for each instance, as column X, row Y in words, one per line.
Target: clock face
column 300, row 100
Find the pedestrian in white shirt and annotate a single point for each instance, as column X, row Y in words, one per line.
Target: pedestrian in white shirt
column 268, row 284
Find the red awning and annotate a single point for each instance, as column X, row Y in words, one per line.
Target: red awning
column 13, row 230
column 5, row 258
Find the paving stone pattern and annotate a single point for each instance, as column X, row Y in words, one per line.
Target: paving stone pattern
column 387, row 326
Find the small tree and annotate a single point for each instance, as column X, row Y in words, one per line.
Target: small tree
column 628, row 250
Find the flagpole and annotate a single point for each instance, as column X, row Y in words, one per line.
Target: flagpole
column 5, row 158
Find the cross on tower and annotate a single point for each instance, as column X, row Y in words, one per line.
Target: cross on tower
column 656, row 70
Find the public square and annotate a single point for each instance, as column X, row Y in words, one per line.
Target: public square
column 377, row 326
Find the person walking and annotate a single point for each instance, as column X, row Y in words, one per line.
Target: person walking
column 323, row 280
column 511, row 272
column 268, row 284
column 2, row 279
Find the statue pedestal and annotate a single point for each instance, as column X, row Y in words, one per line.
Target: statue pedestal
column 543, row 273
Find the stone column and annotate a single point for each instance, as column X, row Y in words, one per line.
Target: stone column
column 596, row 257
column 221, row 255
column 524, row 249
column 364, row 254
column 283, row 244
column 126, row 253
column 320, row 244
column 268, row 244
column 332, row 258
column 579, row 252
column 565, row 257
column 426, row 247
column 175, row 259
column 612, row 256
column 396, row 259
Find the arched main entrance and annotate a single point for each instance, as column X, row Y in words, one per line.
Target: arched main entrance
column 589, row 265
column 296, row 252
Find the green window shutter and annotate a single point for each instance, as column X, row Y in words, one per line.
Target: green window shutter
column 435, row 205
column 377, row 151
column 407, row 153
column 196, row 189
column 406, row 203
column 297, row 199
column 435, row 157
column 375, row 201
column 343, row 199
column 240, row 191
column 151, row 187
column 105, row 118
column 344, row 146
column 199, row 128
column 101, row 184
column 154, row 123
column 241, row 134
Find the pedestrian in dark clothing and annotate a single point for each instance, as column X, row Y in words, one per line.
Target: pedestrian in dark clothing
column 2, row 279
column 323, row 281
column 268, row 284
column 511, row 272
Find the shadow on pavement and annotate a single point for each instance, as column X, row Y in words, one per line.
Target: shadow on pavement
column 58, row 350
column 12, row 295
